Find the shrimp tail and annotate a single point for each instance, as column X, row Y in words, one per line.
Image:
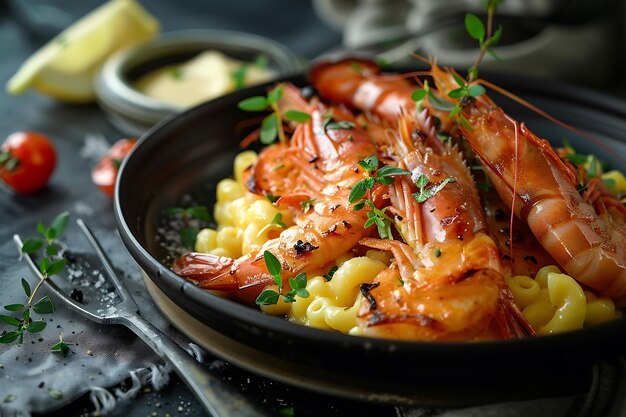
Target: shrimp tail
column 242, row 279
column 510, row 321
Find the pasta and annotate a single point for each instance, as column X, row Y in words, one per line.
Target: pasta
column 333, row 304
column 554, row 302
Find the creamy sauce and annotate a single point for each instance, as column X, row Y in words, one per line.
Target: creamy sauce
column 206, row 76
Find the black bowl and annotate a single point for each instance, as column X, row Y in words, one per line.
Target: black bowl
column 190, row 153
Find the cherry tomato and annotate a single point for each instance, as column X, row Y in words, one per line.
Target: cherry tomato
column 104, row 174
column 27, row 160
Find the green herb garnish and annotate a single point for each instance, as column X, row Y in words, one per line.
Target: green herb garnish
column 272, row 198
column 329, row 276
column 378, row 217
column 383, row 176
column 272, row 125
column 51, row 264
column 487, row 38
column 307, row 205
column 297, row 284
column 61, row 347
column 424, row 192
column 278, row 220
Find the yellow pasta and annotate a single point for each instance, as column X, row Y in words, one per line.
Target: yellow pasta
column 315, row 313
column 229, row 190
column 568, row 297
column 229, row 238
column 317, row 288
column 221, row 213
column 342, row 319
column 334, row 304
column 206, row 240
column 539, row 313
column 599, row 310
column 345, row 284
column 542, row 275
column 242, row 161
column 554, row 302
column 525, row 290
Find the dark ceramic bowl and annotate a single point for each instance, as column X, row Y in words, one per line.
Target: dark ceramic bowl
column 189, row 154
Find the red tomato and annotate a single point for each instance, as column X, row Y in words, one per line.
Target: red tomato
column 104, row 174
column 27, row 161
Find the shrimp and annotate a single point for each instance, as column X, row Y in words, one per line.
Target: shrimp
column 447, row 282
column 326, row 168
column 315, row 158
column 326, row 230
column 359, row 84
column 541, row 190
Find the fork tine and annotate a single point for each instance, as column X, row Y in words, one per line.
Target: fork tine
column 60, row 294
column 119, row 285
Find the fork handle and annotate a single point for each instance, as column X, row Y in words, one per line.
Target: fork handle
column 218, row 398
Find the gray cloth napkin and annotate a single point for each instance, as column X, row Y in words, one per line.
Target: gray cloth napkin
column 34, row 379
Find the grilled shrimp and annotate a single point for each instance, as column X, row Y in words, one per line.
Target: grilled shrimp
column 318, row 164
column 532, row 180
column 447, row 282
column 359, row 84
column 316, row 157
column 328, row 229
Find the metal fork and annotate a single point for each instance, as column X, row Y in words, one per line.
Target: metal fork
column 218, row 398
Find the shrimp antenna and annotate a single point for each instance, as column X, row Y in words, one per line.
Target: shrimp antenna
column 553, row 119
column 422, row 58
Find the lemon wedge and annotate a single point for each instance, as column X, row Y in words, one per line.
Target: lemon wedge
column 64, row 68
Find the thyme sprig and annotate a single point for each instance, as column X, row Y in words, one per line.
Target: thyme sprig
column 51, row 263
column 272, row 125
column 297, row 284
column 383, row 175
column 467, row 90
column 426, row 192
column 378, row 217
column 62, row 347
column 486, row 37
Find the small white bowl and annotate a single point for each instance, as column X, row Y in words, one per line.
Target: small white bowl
column 134, row 112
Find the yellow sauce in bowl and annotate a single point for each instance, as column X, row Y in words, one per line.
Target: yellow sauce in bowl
column 204, row 77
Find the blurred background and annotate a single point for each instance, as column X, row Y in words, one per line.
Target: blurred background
column 577, row 41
